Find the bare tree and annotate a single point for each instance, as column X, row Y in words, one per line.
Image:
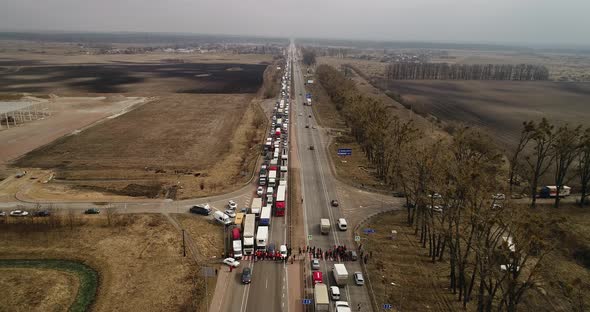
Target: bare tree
column 541, row 157
column 566, row 147
column 584, row 165
column 525, row 136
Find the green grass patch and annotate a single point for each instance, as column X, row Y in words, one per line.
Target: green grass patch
column 88, row 277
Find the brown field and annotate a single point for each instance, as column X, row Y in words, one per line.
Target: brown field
column 420, row 285
column 37, row 289
column 139, row 258
column 498, row 107
column 196, row 137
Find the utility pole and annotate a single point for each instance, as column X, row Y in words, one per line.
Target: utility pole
column 183, row 245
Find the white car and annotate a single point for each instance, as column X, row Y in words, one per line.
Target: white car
column 283, row 251
column 232, row 205
column 342, row 306
column 259, row 191
column 19, row 213
column 335, row 293
column 231, row 262
column 358, row 279
column 2, row 213
column 231, row 213
column 342, row 225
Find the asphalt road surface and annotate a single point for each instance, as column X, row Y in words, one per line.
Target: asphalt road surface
column 319, row 188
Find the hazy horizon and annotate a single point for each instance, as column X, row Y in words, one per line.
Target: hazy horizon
column 526, row 22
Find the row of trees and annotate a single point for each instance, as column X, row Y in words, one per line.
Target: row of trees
column 494, row 250
column 309, row 56
column 543, row 148
column 445, row 71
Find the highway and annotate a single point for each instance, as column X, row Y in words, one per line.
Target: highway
column 319, row 188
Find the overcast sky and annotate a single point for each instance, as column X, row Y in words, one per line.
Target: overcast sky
column 500, row 21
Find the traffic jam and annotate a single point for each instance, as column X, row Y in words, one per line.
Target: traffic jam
column 249, row 233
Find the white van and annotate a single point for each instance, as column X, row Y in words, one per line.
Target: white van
column 222, row 218
column 342, row 225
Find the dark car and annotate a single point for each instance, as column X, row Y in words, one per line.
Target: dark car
column 353, row 255
column 246, row 276
column 92, row 211
column 201, row 209
column 334, row 203
column 43, row 213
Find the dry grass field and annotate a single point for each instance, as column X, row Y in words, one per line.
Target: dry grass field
column 139, row 260
column 196, row 137
column 498, row 107
column 37, row 289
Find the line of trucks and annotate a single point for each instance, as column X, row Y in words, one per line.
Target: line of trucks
column 273, row 175
column 320, row 291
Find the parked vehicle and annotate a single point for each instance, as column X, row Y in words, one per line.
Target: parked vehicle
column 315, row 264
column 202, row 209
column 265, row 215
column 259, row 191
column 232, row 205
column 19, row 213
column 352, row 255
column 256, row 206
column 325, row 226
column 320, row 295
column 237, row 248
column 92, row 211
column 231, row 262
column 230, row 213
column 342, row 225
column 43, row 213
column 246, row 276
column 335, row 293
column 239, row 219
column 222, row 218
column 334, row 203
column 317, row 277
column 550, row 191
column 283, row 251
column 235, row 233
column 358, row 279
column 261, row 237
column 340, row 274
column 342, row 306
column 249, row 228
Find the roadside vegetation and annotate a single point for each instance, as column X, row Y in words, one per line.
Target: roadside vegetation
column 493, row 249
column 87, row 278
column 136, row 255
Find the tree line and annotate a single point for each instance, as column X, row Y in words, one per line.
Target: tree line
column 494, row 250
column 445, row 71
column 544, row 149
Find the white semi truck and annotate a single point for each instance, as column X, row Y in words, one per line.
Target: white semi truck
column 262, row 238
column 249, row 231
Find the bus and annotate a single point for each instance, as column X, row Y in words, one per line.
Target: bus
column 280, row 203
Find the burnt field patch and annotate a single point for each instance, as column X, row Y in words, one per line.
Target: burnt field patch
column 134, row 77
column 498, row 107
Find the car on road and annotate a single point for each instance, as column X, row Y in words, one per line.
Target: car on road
column 43, row 213
column 202, row 209
column 315, row 264
column 306, row 126
column 230, row 213
column 232, row 204
column 342, row 306
column 246, row 276
column 313, row 127
column 342, row 225
column 300, row 114
column 283, row 251
column 92, row 211
column 19, row 213
column 334, row 203
column 259, row 191
column 311, row 148
column 335, row 293
column 309, row 116
column 231, row 262
column 358, row 279
column 2, row 213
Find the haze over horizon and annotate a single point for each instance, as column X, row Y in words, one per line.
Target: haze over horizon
column 501, row 21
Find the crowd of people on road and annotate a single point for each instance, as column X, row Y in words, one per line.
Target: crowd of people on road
column 337, row 253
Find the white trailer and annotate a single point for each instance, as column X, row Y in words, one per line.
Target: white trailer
column 256, row 205
column 261, row 238
column 320, row 296
column 340, row 274
column 249, row 230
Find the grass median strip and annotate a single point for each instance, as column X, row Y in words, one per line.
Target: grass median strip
column 87, row 276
